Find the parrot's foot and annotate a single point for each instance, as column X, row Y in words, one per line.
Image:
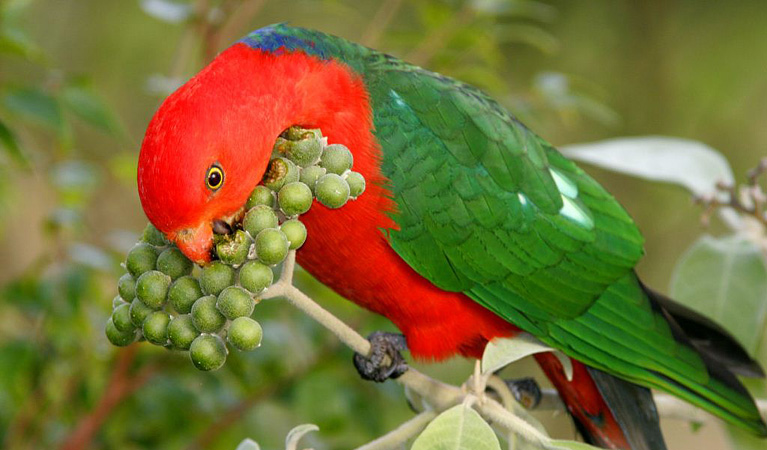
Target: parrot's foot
column 385, row 360
column 526, row 391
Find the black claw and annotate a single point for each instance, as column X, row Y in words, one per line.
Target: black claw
column 526, row 391
column 385, row 347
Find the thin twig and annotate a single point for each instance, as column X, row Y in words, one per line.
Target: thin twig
column 121, row 384
column 402, row 433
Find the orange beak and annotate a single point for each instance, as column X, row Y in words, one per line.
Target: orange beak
column 195, row 243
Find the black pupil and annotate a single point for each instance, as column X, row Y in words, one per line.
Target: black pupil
column 214, row 179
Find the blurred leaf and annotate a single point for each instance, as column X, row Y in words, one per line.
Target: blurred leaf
column 90, row 256
column 743, row 440
column 726, row 280
column 295, row 435
column 162, row 85
column 458, row 428
column 83, row 101
column 13, row 42
column 500, row 352
column 688, row 163
column 248, row 444
column 571, row 445
column 73, row 175
column 558, row 93
column 167, row 11
column 517, row 8
column 34, row 104
column 124, row 167
column 532, row 35
column 10, row 144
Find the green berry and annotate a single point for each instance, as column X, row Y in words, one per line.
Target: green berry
column 234, row 302
column 156, row 328
column 259, row 218
column 215, row 277
column 261, row 195
column 183, row 293
column 139, row 312
column 117, row 301
column 337, row 159
column 233, row 248
column 310, row 175
column 152, row 288
column 182, row 332
column 295, row 231
column 126, row 287
column 205, row 316
column 117, row 337
column 173, row 263
column 305, row 152
column 297, row 133
column 356, row 184
column 255, row 277
column 141, row 258
column 280, row 172
column 245, row 334
column 208, row 352
column 271, row 246
column 295, row 198
column 152, row 235
column 332, row 190
column 121, row 318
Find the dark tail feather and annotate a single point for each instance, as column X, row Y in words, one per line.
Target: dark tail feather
column 633, row 408
column 711, row 340
column 608, row 412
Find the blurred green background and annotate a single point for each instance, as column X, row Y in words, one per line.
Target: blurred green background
column 79, row 80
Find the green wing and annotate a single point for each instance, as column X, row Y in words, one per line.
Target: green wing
column 488, row 208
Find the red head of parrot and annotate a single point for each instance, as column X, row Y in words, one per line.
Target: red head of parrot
column 210, row 142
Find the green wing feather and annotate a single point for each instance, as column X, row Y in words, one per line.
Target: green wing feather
column 488, row 208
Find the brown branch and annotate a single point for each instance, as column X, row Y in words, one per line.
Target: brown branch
column 380, row 22
column 749, row 199
column 121, row 385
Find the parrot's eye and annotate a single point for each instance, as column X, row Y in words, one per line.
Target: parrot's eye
column 215, row 177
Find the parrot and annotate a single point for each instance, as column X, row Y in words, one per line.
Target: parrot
column 472, row 227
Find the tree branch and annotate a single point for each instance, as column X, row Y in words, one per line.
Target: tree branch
column 121, row 384
column 440, row 396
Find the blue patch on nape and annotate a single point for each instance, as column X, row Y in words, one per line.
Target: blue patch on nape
column 280, row 38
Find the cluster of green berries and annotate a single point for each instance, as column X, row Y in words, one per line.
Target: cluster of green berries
column 168, row 301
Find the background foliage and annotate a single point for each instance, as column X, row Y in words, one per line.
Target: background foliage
column 79, row 81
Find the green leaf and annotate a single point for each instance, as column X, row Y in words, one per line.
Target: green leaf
column 83, row 101
column 571, row 445
column 458, row 428
column 248, row 444
column 295, row 435
column 690, row 164
column 35, row 105
column 13, row 42
column 726, row 280
column 9, row 143
column 501, row 352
